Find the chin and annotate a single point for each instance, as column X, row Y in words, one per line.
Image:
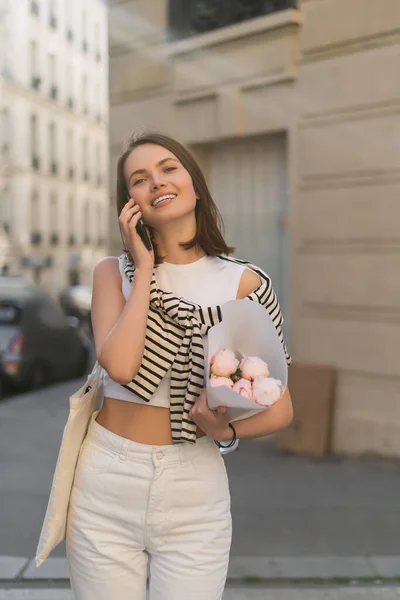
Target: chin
column 171, row 213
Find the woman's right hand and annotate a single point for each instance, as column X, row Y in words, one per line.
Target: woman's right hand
column 128, row 219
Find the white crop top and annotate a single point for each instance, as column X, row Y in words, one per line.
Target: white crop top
column 208, row 281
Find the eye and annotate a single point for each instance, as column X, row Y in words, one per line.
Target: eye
column 137, row 181
column 169, row 169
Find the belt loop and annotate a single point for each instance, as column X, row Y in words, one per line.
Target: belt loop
column 123, row 451
column 181, row 454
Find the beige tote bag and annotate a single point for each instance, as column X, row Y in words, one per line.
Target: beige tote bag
column 82, row 405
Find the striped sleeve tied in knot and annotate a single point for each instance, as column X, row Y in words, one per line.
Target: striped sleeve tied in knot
column 174, row 340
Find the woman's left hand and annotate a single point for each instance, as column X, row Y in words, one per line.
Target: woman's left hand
column 214, row 423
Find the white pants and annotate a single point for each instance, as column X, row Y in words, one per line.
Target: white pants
column 135, row 506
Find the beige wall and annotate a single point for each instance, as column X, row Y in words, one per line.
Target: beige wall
column 328, row 75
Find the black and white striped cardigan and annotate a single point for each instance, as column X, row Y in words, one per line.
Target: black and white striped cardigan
column 174, row 333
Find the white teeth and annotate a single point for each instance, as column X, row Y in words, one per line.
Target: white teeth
column 166, row 197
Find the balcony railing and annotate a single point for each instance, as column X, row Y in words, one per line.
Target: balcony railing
column 192, row 17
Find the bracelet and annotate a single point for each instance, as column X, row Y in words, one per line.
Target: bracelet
column 233, row 440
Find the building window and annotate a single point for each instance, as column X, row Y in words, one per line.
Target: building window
column 54, row 233
column 35, row 7
column 35, row 219
column 53, row 148
column 52, row 76
column 5, row 131
column 34, row 142
column 85, row 159
column 86, row 223
column 85, row 106
column 69, row 90
column 69, row 157
column 35, row 78
column 191, row 17
column 52, row 15
column 98, row 164
column 5, row 209
column 97, row 42
column 84, row 32
column 71, row 221
column 68, row 18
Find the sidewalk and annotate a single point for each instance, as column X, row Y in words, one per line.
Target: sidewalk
column 242, row 569
column 270, row 593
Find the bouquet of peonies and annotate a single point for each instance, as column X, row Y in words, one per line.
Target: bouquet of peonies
column 249, row 377
column 245, row 366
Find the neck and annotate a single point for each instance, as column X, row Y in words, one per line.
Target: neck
column 170, row 237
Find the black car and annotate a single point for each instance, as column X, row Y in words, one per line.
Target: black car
column 38, row 343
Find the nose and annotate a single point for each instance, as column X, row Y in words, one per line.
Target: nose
column 156, row 182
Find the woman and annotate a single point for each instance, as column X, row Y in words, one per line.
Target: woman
column 150, row 482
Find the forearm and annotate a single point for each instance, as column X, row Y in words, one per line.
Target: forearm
column 264, row 423
column 122, row 351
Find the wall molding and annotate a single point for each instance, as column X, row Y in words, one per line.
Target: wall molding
column 142, row 93
column 355, row 112
column 264, row 81
column 368, row 42
column 349, row 179
column 271, row 22
column 348, row 312
column 318, row 246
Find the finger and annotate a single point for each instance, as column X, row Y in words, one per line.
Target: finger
column 134, row 221
column 127, row 222
column 127, row 206
column 129, row 212
column 203, row 394
column 222, row 410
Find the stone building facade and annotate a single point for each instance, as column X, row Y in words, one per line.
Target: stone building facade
column 293, row 110
column 54, row 139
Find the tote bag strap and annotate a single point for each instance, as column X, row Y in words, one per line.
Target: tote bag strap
column 95, row 376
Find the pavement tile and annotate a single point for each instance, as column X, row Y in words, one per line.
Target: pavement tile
column 300, row 567
column 10, row 566
column 52, row 568
column 386, row 566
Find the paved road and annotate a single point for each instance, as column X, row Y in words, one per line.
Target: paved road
column 283, row 506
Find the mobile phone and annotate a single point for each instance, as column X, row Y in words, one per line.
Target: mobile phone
column 142, row 231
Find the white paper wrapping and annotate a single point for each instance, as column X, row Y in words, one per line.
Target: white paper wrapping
column 247, row 329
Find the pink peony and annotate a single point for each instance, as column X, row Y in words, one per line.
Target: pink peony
column 266, row 391
column 219, row 381
column 224, row 363
column 252, row 367
column 244, row 388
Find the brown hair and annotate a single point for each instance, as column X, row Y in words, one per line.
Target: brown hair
column 208, row 218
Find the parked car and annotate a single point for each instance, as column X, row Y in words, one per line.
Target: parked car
column 76, row 301
column 38, row 343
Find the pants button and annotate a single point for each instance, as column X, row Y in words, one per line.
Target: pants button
column 159, row 455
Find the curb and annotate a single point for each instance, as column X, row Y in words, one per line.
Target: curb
column 245, row 569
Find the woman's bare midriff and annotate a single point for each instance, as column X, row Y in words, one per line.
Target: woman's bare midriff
column 138, row 422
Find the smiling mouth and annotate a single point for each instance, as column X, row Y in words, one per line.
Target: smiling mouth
column 163, row 199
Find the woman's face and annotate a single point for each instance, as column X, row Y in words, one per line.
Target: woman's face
column 160, row 184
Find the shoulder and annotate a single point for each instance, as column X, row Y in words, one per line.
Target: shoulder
column 249, row 282
column 107, row 267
